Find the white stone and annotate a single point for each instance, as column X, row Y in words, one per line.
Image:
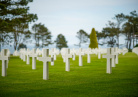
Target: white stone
column 63, row 52
column 125, row 50
column 27, row 53
column 67, row 59
column 80, row 53
column 16, row 53
column 116, row 55
column 45, row 59
column 88, row 52
column 135, row 50
column 33, row 55
column 4, row 59
column 108, row 57
column 113, row 58
column 73, row 51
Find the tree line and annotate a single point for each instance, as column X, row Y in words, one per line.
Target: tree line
column 14, row 29
column 122, row 25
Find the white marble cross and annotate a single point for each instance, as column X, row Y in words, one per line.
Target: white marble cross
column 67, row 59
column 54, row 52
column 99, row 54
column 113, row 58
column 80, row 53
column 45, row 59
column 73, row 53
column 88, row 52
column 116, row 55
column 108, row 57
column 23, row 53
column 63, row 52
column 33, row 55
column 4, row 59
column 27, row 53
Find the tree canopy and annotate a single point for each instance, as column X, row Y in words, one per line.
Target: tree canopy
column 93, row 39
column 61, row 41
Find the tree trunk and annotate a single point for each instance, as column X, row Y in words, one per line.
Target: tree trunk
column 133, row 36
column 130, row 41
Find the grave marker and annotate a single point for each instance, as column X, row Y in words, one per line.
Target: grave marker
column 67, row 59
column 88, row 52
column 80, row 53
column 4, row 59
column 45, row 59
column 108, row 57
column 27, row 55
column 33, row 55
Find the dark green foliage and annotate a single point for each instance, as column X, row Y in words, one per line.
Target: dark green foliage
column 42, row 35
column 110, row 34
column 100, row 35
column 22, row 46
column 89, row 80
column 93, row 39
column 120, row 18
column 130, row 29
column 136, row 45
column 15, row 19
column 61, row 41
column 82, row 36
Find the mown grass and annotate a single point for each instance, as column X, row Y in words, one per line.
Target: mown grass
column 90, row 80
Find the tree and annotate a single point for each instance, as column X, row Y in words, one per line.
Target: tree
column 110, row 34
column 16, row 14
column 100, row 35
column 133, row 20
column 22, row 46
column 42, row 35
column 61, row 41
column 5, row 38
column 45, row 36
column 120, row 18
column 82, row 36
column 93, row 39
column 130, row 29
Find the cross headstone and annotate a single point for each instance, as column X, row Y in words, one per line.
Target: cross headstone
column 73, row 53
column 4, row 59
column 99, row 54
column 7, row 54
column 108, row 57
column 80, row 53
column 23, row 53
column 33, row 55
column 113, row 58
column 88, row 52
column 67, row 59
column 45, row 59
column 16, row 53
column 63, row 52
column 116, row 55
column 27, row 53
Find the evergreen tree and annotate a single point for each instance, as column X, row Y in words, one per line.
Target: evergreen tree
column 15, row 17
column 93, row 39
column 61, row 41
column 82, row 36
column 42, row 35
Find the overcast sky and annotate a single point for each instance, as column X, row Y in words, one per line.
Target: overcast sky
column 69, row 16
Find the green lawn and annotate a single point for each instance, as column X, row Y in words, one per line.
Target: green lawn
column 90, row 80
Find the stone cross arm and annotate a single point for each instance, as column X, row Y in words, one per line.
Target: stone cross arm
column 45, row 59
column 33, row 55
column 107, row 56
column 4, row 58
column 68, row 56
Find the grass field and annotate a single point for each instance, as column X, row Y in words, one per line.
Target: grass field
column 90, row 80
